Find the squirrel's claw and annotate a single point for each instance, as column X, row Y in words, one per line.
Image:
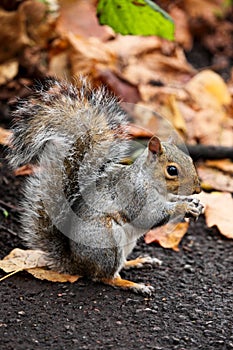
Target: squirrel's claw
column 143, row 289
column 194, row 209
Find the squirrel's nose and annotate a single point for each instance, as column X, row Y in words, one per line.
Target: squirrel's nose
column 197, row 189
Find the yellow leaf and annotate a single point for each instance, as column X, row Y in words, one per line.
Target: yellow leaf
column 169, row 235
column 52, row 276
column 208, row 89
column 34, row 262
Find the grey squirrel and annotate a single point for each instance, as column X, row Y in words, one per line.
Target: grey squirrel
column 84, row 208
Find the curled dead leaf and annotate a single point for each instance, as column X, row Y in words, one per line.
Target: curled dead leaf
column 34, row 262
column 19, row 259
column 52, row 276
column 169, row 235
column 218, row 211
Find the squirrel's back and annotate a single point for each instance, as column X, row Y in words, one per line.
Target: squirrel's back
column 75, row 133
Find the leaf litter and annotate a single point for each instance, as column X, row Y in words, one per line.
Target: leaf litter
column 148, row 71
column 34, row 262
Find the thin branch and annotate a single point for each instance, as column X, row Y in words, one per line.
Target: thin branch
column 210, row 152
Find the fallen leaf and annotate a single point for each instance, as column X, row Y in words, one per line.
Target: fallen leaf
column 182, row 30
column 137, row 131
column 203, row 9
column 213, row 178
column 8, row 71
column 34, row 262
column 207, row 124
column 155, row 65
column 19, row 259
column 32, row 23
column 219, row 40
column 52, row 276
column 209, row 90
column 14, row 36
column 27, row 169
column 88, row 54
column 223, row 164
column 87, row 24
column 218, row 211
column 5, row 136
column 121, row 88
column 174, row 114
column 169, row 235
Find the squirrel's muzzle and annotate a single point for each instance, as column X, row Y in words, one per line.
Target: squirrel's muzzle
column 197, row 189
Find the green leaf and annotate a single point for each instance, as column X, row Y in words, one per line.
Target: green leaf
column 135, row 17
column 5, row 212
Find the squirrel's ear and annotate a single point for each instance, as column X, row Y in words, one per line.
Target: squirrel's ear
column 154, row 146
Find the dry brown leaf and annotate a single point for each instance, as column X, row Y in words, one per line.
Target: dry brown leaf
column 218, row 211
column 19, row 259
column 213, row 178
column 8, row 71
column 137, row 131
column 155, row 66
column 223, row 164
column 169, row 235
column 14, row 36
column 87, row 24
column 34, row 262
column 59, row 65
column 121, row 88
column 52, row 276
column 130, row 47
column 172, row 112
column 86, row 55
column 5, row 136
column 32, row 23
column 207, row 126
column 203, row 9
column 182, row 31
column 39, row 18
column 209, row 90
column 27, row 169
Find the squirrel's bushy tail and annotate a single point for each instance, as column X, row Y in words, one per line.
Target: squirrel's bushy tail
column 64, row 113
column 75, row 132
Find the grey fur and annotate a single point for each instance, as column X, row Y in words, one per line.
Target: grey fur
column 83, row 208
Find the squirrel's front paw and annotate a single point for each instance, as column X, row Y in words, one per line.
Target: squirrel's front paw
column 194, row 209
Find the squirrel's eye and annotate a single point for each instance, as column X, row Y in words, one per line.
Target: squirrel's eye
column 172, row 170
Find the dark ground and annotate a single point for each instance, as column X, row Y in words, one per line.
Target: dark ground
column 191, row 308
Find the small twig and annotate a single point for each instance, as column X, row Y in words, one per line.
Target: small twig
column 210, row 152
column 10, row 274
column 8, row 230
column 11, row 206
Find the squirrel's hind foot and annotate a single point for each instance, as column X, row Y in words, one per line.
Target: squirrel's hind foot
column 142, row 261
column 138, row 288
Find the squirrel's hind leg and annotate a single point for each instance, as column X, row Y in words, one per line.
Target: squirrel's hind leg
column 142, row 261
column 138, row 288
